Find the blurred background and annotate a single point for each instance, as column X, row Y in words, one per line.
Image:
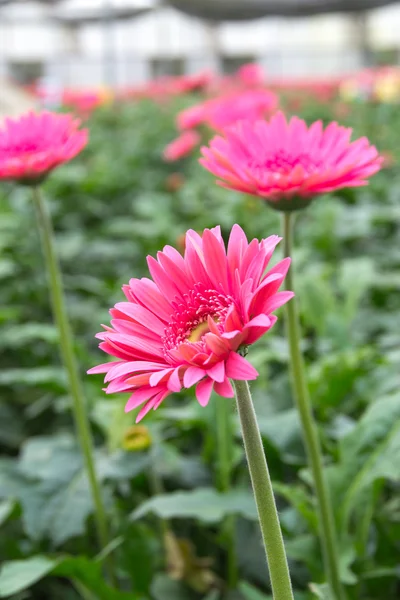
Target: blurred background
column 82, row 43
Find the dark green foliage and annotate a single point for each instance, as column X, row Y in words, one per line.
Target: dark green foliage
column 111, row 207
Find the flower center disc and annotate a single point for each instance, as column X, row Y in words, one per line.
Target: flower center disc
column 198, row 332
column 189, row 323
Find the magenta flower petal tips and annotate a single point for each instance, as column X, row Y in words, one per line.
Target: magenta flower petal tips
column 182, row 146
column 34, row 144
column 185, row 326
column 288, row 163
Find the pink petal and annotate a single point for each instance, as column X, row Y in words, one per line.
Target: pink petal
column 276, row 301
column 104, row 368
column 216, row 344
column 192, row 375
column 155, row 378
column 141, row 395
column 224, row 389
column 174, row 382
column 146, row 408
column 130, row 367
column 239, row 368
column 217, row 372
column 215, row 260
column 203, row 391
column 141, row 315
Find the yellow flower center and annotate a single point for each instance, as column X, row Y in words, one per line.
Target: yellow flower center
column 197, row 333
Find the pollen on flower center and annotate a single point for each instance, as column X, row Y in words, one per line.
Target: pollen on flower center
column 189, row 323
column 198, row 332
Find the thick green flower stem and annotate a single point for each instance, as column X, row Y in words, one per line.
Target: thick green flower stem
column 67, row 352
column 264, row 496
column 310, row 434
column 225, row 441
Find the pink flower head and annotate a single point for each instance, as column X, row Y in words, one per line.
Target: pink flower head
column 192, row 116
column 162, row 88
column 85, row 102
column 188, row 83
column 251, row 75
column 288, row 163
column 250, row 104
column 182, row 146
column 186, row 325
column 223, row 111
column 34, row 144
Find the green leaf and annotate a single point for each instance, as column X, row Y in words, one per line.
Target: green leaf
column 11, row 426
column 355, row 276
column 300, row 500
column 333, row 377
column 281, row 429
column 50, row 477
column 48, row 480
column 373, row 427
column 302, row 548
column 51, row 458
column 213, row 595
column 7, row 268
column 34, row 376
column 57, row 462
column 347, row 558
column 17, row 336
column 62, row 523
column 204, row 504
column 384, row 462
column 18, row 575
column 6, row 508
column 123, row 465
column 89, row 573
column 321, row 591
column 164, row 588
column 372, row 451
column 316, row 298
column 251, row 593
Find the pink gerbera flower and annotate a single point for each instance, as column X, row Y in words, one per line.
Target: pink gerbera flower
column 34, row 144
column 186, row 326
column 223, row 111
column 249, row 104
column 251, row 75
column 288, row 163
column 181, row 146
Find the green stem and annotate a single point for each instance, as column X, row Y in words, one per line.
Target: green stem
column 264, row 496
column 224, row 450
column 67, row 352
column 309, row 428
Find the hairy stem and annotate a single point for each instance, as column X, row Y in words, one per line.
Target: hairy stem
column 309, row 428
column 264, row 496
column 67, row 351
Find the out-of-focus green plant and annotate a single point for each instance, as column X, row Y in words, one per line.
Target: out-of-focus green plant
column 111, row 207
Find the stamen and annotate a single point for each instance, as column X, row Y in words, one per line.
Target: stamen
column 189, row 322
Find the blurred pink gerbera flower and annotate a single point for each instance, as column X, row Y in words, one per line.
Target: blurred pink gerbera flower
column 186, row 326
column 249, row 104
column 223, row 111
column 36, row 143
column 181, row 146
column 288, row 163
column 251, row 75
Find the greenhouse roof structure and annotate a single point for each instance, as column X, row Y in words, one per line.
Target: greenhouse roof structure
column 242, row 10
